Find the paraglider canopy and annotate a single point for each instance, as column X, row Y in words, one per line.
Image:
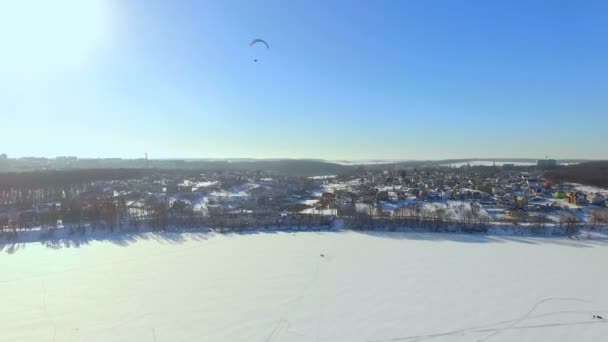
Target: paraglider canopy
column 261, row 41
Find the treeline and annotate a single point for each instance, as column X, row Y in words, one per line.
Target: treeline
column 286, row 167
column 116, row 215
column 363, row 221
column 108, row 214
column 21, row 190
column 42, row 179
column 418, row 217
column 591, row 173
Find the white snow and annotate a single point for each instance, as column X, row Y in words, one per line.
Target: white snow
column 363, row 162
column 236, row 191
column 323, row 177
column 315, row 211
column 206, row 184
column 589, row 189
column 363, row 207
column 276, row 287
column 309, row 201
column 332, row 187
column 200, row 203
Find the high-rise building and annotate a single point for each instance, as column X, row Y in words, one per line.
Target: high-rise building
column 546, row 163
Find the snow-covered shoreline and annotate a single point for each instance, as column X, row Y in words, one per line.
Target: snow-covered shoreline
column 66, row 237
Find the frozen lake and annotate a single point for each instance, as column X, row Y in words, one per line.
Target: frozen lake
column 277, row 287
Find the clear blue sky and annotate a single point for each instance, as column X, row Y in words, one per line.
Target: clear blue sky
column 342, row 79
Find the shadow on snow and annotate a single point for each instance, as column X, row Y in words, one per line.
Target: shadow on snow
column 12, row 244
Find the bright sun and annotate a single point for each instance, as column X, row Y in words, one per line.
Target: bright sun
column 39, row 37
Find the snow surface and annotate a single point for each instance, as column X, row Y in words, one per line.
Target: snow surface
column 314, row 211
column 589, row 188
column 323, row 177
column 206, row 184
column 309, row 201
column 363, row 162
column 236, row 191
column 276, row 287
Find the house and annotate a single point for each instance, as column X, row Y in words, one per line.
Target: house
column 184, row 188
column 570, row 197
column 497, row 191
column 326, row 198
column 546, row 164
column 433, row 195
column 382, row 196
column 577, row 198
column 466, row 193
column 504, row 201
column 596, row 199
column 559, row 194
column 171, row 188
column 516, row 213
column 414, row 191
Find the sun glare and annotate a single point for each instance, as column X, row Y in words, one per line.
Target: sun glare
column 40, row 37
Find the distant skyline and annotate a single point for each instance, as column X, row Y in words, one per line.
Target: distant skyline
column 338, row 161
column 342, row 80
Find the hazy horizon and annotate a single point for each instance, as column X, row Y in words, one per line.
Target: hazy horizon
column 341, row 80
column 387, row 160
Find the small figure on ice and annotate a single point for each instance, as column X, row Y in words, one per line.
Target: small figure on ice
column 598, row 317
column 322, row 255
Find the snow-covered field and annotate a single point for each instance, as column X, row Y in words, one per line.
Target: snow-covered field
column 276, row 287
column 364, row 162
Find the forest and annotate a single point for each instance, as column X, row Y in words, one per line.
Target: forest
column 590, row 173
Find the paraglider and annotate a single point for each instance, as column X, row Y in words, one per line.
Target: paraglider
column 259, row 41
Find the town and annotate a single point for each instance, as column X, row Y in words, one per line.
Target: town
column 438, row 198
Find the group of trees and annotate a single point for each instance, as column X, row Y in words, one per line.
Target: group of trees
column 112, row 213
column 415, row 216
column 26, row 197
column 599, row 216
column 99, row 211
column 46, row 179
column 364, row 221
column 468, row 219
column 569, row 224
column 591, row 173
column 23, row 190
